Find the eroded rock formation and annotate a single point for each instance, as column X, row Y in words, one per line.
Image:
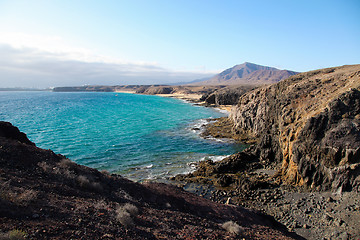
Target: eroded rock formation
column 310, row 123
column 227, row 95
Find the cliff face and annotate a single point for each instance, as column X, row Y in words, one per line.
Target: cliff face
column 310, row 123
column 152, row 90
column 226, row 96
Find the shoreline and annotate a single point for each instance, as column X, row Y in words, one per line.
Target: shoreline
column 312, row 215
column 264, row 177
column 122, row 91
column 196, row 99
column 46, row 195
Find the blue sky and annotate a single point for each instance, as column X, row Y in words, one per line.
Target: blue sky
column 56, row 43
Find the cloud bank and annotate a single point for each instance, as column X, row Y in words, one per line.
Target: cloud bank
column 27, row 61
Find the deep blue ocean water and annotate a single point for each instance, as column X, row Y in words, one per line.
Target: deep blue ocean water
column 137, row 136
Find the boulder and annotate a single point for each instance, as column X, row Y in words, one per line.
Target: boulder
column 7, row 130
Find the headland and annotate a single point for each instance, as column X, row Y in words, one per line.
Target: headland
column 302, row 167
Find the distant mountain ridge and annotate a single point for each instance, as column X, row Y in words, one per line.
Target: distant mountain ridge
column 249, row 74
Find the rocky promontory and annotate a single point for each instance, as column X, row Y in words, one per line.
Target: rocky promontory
column 44, row 195
column 228, row 95
column 310, row 124
column 302, row 164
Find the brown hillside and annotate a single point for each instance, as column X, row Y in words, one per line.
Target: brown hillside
column 248, row 74
column 311, row 124
column 43, row 195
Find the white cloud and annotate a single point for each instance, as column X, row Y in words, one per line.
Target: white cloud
column 58, row 48
column 45, row 61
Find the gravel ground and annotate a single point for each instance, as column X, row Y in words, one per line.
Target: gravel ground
column 312, row 215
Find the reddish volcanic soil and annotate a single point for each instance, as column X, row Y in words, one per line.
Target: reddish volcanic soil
column 43, row 195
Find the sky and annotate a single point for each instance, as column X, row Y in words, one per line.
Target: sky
column 49, row 43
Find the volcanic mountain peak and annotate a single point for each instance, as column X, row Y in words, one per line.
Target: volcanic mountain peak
column 249, row 74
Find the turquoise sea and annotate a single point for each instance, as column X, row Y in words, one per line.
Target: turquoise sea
column 138, row 136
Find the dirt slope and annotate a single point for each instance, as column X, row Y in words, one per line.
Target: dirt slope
column 45, row 196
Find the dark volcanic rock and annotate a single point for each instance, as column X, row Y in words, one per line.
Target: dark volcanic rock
column 306, row 133
column 231, row 171
column 46, row 196
column 310, row 123
column 334, row 139
column 7, row 130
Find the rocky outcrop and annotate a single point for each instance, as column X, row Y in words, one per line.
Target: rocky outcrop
column 248, row 73
column 231, row 172
column 158, row 90
column 43, row 195
column 7, row 130
column 226, row 96
column 310, row 124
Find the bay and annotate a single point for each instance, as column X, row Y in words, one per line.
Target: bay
column 138, row 136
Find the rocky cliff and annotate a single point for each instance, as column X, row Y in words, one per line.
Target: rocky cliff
column 44, row 195
column 152, row 90
column 227, row 95
column 310, row 124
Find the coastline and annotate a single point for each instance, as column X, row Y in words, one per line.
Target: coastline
column 190, row 117
column 123, row 91
column 196, row 99
column 183, row 96
column 312, row 215
column 45, row 195
column 288, row 171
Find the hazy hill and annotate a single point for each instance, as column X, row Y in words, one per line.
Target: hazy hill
column 248, row 74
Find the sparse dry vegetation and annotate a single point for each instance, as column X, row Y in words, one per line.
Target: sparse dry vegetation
column 64, row 169
column 101, row 205
column 65, row 163
column 124, row 218
column 27, row 196
column 13, row 235
column 123, row 194
column 62, row 209
column 132, row 209
column 125, row 214
column 232, row 227
column 84, row 182
column 44, row 166
column 16, row 195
